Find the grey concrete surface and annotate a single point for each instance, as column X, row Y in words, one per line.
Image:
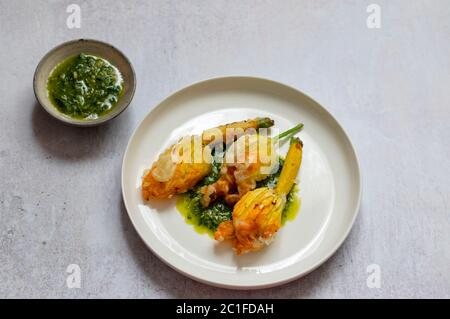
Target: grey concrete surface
column 60, row 195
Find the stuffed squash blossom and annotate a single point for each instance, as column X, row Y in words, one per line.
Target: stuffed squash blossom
column 257, row 215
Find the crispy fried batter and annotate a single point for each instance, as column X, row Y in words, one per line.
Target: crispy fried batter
column 257, row 215
column 225, row 231
column 185, row 177
column 166, row 178
column 238, row 178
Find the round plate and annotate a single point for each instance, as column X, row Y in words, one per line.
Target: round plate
column 329, row 180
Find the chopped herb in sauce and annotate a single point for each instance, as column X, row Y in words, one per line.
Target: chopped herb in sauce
column 206, row 220
column 214, row 175
column 85, row 86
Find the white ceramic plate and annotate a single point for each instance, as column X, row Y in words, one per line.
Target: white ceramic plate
column 329, row 179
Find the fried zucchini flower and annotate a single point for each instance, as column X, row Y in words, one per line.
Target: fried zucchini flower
column 250, row 159
column 168, row 177
column 257, row 215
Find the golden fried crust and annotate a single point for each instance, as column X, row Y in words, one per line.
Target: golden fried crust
column 225, row 231
column 256, row 219
column 185, row 177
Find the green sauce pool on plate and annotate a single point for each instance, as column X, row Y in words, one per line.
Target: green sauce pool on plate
column 205, row 220
column 85, row 86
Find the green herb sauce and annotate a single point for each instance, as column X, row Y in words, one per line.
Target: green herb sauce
column 206, row 220
column 85, row 86
column 292, row 207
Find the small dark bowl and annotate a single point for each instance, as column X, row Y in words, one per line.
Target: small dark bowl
column 71, row 48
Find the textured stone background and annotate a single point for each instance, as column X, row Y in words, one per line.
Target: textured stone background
column 60, row 196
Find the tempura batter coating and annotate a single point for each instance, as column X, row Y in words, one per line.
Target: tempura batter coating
column 257, row 215
column 184, row 177
column 240, row 176
column 167, row 178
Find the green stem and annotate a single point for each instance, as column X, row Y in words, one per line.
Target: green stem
column 293, row 130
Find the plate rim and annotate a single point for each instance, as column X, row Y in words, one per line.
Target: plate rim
column 255, row 286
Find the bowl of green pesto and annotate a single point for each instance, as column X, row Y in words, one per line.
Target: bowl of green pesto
column 84, row 82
